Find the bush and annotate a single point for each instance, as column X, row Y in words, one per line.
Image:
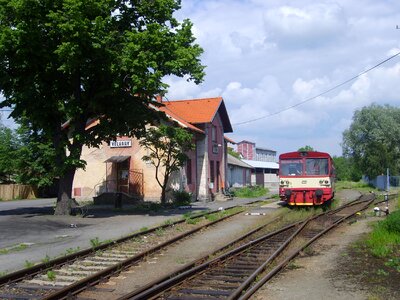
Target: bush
column 250, row 192
column 386, row 235
column 181, row 198
column 392, row 222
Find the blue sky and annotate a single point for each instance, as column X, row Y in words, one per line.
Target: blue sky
column 265, row 56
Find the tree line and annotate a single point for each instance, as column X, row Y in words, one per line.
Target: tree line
column 26, row 157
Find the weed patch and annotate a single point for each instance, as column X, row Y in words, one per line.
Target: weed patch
column 95, row 242
column 250, row 192
column 51, row 275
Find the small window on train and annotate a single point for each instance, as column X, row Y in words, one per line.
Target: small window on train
column 317, row 166
column 292, row 167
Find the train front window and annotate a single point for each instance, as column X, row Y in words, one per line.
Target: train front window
column 317, row 166
column 291, row 167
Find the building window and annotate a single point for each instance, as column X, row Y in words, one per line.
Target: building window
column 189, row 171
column 213, row 133
column 212, row 174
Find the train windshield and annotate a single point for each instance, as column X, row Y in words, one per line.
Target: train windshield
column 317, row 166
column 291, row 167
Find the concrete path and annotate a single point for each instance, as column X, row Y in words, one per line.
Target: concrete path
column 32, row 223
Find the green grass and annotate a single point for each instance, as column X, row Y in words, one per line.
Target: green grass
column 168, row 222
column 14, row 248
column 95, row 242
column 385, row 237
column 46, row 259
column 72, row 250
column 29, row 264
column 192, row 221
column 360, row 185
column 250, row 192
column 51, row 275
column 159, row 232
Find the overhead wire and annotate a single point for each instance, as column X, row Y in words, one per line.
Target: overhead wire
column 320, row 94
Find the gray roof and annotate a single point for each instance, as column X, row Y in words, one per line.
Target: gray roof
column 237, row 162
column 262, row 164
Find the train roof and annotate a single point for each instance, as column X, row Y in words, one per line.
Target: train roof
column 300, row 154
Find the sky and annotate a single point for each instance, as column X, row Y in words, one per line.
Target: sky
column 263, row 57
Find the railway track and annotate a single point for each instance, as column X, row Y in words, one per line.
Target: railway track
column 238, row 273
column 65, row 276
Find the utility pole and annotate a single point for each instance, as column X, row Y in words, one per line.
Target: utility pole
column 387, row 191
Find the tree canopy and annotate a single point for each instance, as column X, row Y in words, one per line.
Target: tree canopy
column 73, row 61
column 346, row 169
column 306, row 148
column 9, row 146
column 373, row 140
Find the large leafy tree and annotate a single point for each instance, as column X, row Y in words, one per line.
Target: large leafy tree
column 34, row 162
column 346, row 169
column 373, row 140
column 306, row 148
column 9, row 146
column 64, row 63
column 167, row 147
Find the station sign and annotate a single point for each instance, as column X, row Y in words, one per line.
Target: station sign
column 121, row 144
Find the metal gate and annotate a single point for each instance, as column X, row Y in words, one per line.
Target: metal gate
column 136, row 183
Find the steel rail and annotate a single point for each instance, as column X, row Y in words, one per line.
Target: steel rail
column 32, row 271
column 153, row 291
column 109, row 271
column 161, row 287
column 262, row 267
column 280, row 266
column 200, row 260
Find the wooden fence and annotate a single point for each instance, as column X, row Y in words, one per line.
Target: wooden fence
column 17, row 191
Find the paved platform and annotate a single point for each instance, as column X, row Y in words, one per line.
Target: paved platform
column 32, row 222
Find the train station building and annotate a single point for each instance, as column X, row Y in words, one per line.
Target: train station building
column 117, row 167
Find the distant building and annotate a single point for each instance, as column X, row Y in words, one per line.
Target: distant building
column 239, row 173
column 246, row 149
column 249, row 151
column 265, row 168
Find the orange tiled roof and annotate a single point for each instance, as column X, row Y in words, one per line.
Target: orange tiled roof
column 178, row 119
column 194, row 111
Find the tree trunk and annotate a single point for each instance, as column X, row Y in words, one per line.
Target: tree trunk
column 64, row 193
column 164, row 189
column 163, row 194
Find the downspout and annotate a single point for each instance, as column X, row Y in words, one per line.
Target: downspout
column 196, row 184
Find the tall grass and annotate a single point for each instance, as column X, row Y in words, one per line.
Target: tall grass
column 250, row 192
column 360, row 185
column 385, row 237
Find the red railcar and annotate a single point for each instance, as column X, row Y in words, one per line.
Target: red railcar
column 306, row 178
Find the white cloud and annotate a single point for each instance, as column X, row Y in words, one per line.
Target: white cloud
column 307, row 26
column 266, row 56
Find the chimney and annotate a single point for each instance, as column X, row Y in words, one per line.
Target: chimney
column 159, row 98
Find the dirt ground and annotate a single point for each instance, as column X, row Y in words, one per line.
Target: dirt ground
column 337, row 267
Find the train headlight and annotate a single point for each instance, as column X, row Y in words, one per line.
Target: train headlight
column 321, row 182
column 284, row 183
column 326, row 181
